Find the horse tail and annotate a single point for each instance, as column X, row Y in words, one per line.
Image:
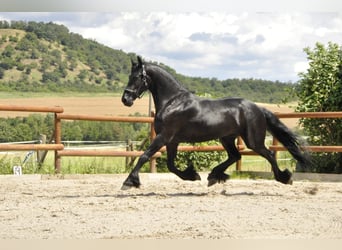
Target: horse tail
column 287, row 138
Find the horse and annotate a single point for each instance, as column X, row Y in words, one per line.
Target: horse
column 181, row 116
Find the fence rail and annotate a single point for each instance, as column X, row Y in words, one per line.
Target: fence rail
column 105, row 118
column 25, row 147
column 42, row 109
column 67, row 152
column 309, row 115
column 60, row 151
column 330, row 149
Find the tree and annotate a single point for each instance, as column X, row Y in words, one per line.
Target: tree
column 8, row 51
column 320, row 90
column 83, row 74
column 50, row 77
column 2, row 73
column 7, row 132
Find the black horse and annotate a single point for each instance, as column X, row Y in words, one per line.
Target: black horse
column 183, row 117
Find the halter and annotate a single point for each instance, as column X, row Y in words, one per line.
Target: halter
column 144, row 79
column 145, row 85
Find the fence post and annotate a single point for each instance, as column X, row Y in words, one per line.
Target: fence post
column 58, row 140
column 239, row 162
column 153, row 167
column 41, row 153
column 275, row 142
column 129, row 147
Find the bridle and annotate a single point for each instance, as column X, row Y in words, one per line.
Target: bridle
column 139, row 92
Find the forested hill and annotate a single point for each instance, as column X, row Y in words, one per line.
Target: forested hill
column 46, row 57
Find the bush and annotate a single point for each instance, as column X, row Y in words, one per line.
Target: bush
column 202, row 161
column 2, row 73
column 320, row 91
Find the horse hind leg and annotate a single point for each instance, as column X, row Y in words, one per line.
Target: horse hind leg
column 255, row 140
column 281, row 176
column 217, row 175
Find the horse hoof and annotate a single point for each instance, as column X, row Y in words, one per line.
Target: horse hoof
column 197, row 177
column 212, row 182
column 190, row 174
column 284, row 177
column 125, row 187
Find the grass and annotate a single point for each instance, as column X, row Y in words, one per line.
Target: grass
column 69, row 165
column 116, row 165
column 93, row 165
column 258, row 163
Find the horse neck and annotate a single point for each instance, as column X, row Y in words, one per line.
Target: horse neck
column 163, row 86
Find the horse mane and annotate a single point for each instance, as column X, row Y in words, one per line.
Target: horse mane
column 165, row 73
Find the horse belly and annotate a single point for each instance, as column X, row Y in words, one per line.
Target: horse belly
column 205, row 131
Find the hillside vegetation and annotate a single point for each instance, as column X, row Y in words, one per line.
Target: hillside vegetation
column 46, row 57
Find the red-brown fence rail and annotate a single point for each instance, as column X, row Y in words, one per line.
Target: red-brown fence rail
column 60, row 151
column 316, row 115
column 41, row 109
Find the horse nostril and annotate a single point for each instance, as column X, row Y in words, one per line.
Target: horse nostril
column 127, row 101
column 123, row 100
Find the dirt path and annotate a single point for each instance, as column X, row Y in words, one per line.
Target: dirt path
column 94, row 207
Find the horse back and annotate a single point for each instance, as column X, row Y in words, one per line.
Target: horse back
column 196, row 119
column 237, row 111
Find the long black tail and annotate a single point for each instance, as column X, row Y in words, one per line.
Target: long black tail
column 287, row 138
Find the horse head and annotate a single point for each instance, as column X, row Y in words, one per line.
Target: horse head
column 137, row 83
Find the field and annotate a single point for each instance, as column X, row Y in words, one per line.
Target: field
column 86, row 104
column 165, row 207
column 105, row 104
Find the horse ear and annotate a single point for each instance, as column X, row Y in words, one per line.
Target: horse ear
column 133, row 63
column 140, row 61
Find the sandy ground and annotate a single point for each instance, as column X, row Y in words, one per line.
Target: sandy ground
column 94, row 207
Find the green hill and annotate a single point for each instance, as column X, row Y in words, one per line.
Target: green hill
column 46, row 57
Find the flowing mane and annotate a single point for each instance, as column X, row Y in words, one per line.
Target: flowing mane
column 163, row 85
column 166, row 75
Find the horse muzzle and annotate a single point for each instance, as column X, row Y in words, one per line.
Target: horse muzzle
column 127, row 99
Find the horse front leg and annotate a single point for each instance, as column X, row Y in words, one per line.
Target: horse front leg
column 189, row 173
column 217, row 175
column 133, row 178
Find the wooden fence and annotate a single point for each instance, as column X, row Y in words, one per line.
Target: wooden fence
column 60, row 151
column 15, row 147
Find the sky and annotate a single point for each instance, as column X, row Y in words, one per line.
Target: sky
column 215, row 43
